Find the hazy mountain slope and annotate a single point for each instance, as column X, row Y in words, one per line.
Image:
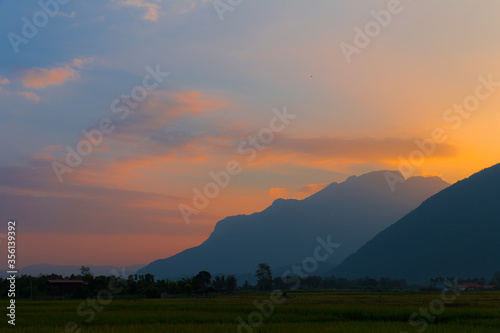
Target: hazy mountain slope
column 351, row 212
column 67, row 270
column 453, row 233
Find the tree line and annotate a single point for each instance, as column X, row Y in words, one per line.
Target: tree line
column 203, row 283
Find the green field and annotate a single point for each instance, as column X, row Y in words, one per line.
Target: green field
column 301, row 312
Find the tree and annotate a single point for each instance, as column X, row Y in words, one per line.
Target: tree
column 231, row 283
column 149, row 279
column 247, row 286
column 85, row 273
column 495, row 280
column 264, row 277
column 203, row 278
column 188, row 288
column 220, row 282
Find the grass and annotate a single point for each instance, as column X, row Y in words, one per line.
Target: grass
column 302, row 312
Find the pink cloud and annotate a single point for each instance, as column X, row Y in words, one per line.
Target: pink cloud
column 80, row 62
column 4, row 80
column 29, row 95
column 38, row 78
column 42, row 157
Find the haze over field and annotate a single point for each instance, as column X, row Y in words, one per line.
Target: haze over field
column 129, row 129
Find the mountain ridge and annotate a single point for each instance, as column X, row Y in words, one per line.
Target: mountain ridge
column 444, row 236
column 285, row 232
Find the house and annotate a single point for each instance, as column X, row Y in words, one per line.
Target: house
column 472, row 286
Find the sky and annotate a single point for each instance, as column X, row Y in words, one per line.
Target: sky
column 130, row 127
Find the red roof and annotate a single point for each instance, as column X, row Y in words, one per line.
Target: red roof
column 470, row 285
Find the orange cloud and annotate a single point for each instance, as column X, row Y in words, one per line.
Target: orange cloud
column 153, row 10
column 311, row 189
column 149, row 141
column 333, row 152
column 285, row 193
column 358, row 148
column 39, row 78
column 276, row 192
column 169, row 103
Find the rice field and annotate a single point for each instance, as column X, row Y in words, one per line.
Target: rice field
column 301, row 312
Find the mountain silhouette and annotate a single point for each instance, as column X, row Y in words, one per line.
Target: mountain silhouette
column 285, row 233
column 67, row 270
column 452, row 234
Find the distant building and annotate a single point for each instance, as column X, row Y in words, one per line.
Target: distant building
column 472, row 286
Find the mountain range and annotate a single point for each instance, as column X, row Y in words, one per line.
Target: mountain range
column 452, row 234
column 351, row 213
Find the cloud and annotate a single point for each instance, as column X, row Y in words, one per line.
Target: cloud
column 168, row 124
column 38, row 78
column 53, row 148
column 187, row 9
column 4, row 80
column 311, row 189
column 42, row 157
column 26, row 94
column 328, row 149
column 156, row 8
column 168, row 127
column 152, row 9
column 29, row 95
column 32, row 194
column 277, row 192
column 185, row 6
column 81, row 62
column 72, row 15
column 286, row 193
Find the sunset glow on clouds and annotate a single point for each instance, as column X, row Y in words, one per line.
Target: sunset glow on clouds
column 30, row 95
column 152, row 9
column 39, row 78
column 226, row 77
